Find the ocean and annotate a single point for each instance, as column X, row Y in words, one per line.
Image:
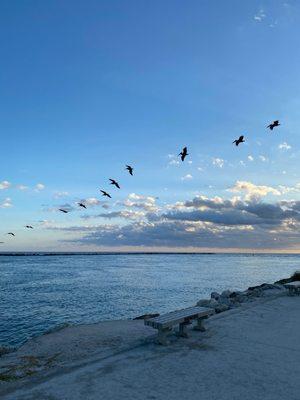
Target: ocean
column 40, row 293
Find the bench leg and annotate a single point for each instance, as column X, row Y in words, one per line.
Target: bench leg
column 162, row 337
column 182, row 330
column 200, row 326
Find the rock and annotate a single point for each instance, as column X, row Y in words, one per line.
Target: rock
column 211, row 303
column 279, row 287
column 226, row 293
column 235, row 294
column 293, row 278
column 267, row 286
column 225, row 301
column 215, row 295
column 255, row 292
column 221, row 308
column 238, row 297
column 146, row 316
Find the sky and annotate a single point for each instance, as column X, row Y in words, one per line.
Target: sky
column 87, row 87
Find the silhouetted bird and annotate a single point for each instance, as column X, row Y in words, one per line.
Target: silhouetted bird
column 28, row 226
column 62, row 210
column 1, row 242
column 12, row 234
column 273, row 125
column 239, row 140
column 129, row 169
column 104, row 193
column 82, row 205
column 183, row 154
column 113, row 182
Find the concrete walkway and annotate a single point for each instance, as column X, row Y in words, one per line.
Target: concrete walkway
column 249, row 353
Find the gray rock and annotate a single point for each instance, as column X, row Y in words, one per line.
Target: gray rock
column 221, row 308
column 211, row 303
column 225, row 301
column 215, row 295
column 254, row 292
column 226, row 293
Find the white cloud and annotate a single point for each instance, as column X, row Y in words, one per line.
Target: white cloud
column 126, row 214
column 253, row 192
column 147, row 203
column 263, row 158
column 58, row 195
column 6, row 203
column 4, row 185
column 284, row 146
column 259, row 16
column 173, row 162
column 219, row 162
column 39, row 187
column 173, row 159
column 250, row 158
column 187, row 177
column 22, row 187
column 92, row 201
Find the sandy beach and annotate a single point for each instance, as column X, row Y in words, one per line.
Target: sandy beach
column 251, row 352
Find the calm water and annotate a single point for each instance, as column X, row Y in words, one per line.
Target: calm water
column 38, row 293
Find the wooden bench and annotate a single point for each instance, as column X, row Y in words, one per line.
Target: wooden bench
column 164, row 323
column 294, row 287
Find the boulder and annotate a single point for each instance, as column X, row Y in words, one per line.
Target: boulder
column 221, row 308
column 226, row 293
column 215, row 295
column 225, row 301
column 211, row 303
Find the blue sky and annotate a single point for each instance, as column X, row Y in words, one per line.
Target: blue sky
column 89, row 86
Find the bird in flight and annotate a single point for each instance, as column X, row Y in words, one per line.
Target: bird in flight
column 183, row 153
column 12, row 234
column 104, row 193
column 1, row 242
column 28, row 226
column 63, row 211
column 129, row 169
column 239, row 140
column 273, row 125
column 82, row 205
column 113, row 182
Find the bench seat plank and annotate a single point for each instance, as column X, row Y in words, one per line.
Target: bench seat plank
column 178, row 317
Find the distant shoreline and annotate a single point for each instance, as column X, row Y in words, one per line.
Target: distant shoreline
column 40, row 253
column 37, row 253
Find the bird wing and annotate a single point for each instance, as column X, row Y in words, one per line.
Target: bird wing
column 241, row 138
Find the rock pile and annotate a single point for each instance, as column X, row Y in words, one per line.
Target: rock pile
column 228, row 299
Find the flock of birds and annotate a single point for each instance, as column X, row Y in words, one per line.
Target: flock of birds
column 113, row 182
